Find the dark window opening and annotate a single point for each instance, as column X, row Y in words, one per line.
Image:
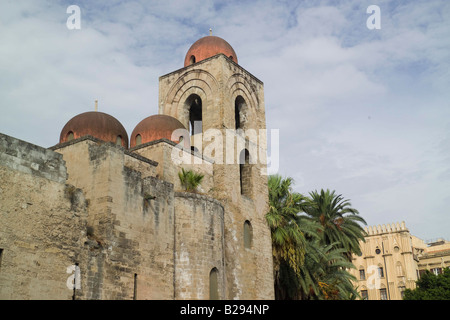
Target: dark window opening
column 362, row 274
column 238, row 106
column 383, row 294
column 214, row 284
column 245, row 172
column 248, row 234
column 364, row 295
column 135, row 287
column 195, row 114
column 380, row 272
column 192, row 60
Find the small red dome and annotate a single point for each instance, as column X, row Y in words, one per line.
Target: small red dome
column 207, row 47
column 97, row 124
column 153, row 128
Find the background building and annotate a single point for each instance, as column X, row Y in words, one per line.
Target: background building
column 392, row 260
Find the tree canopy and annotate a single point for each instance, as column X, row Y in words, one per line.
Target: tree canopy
column 313, row 238
column 430, row 287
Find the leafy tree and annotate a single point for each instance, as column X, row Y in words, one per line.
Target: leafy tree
column 190, row 180
column 430, row 287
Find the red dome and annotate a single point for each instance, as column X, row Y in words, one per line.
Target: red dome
column 208, row 47
column 153, row 128
column 97, row 124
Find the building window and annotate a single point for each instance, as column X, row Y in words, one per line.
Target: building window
column 245, row 171
column 380, row 272
column 214, row 284
column 119, row 140
column 138, row 140
column 383, row 294
column 248, row 235
column 194, row 107
column 362, row 274
column 436, row 271
column 192, row 60
column 239, row 109
column 377, row 251
column 364, row 295
column 70, row 136
column 135, row 287
column 1, row 255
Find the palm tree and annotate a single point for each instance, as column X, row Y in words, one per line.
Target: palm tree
column 311, row 242
column 340, row 222
column 288, row 238
column 324, row 274
column 190, row 180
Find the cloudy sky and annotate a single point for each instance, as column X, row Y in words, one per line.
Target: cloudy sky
column 363, row 112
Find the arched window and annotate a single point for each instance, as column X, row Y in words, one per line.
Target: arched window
column 214, row 284
column 70, row 136
column 194, row 107
column 138, row 139
column 383, row 292
column 192, row 60
column 119, row 140
column 245, row 172
column 364, row 293
column 248, row 234
column 239, row 109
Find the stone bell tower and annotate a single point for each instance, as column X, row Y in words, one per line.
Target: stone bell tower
column 222, row 106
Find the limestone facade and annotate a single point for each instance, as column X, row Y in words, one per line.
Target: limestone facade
column 392, row 260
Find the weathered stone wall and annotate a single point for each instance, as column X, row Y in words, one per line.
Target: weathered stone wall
column 42, row 222
column 130, row 223
column 198, row 246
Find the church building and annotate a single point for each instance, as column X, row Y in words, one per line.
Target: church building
column 104, row 215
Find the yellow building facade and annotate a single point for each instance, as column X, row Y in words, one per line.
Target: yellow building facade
column 392, row 260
